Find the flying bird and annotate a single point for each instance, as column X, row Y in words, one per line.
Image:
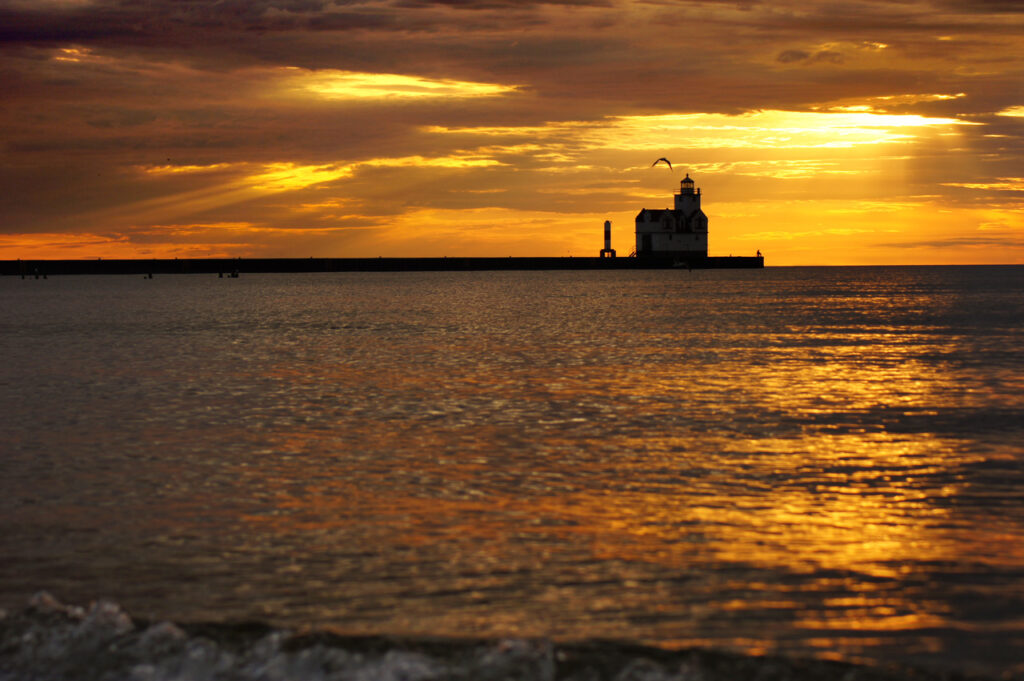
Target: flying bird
column 667, row 162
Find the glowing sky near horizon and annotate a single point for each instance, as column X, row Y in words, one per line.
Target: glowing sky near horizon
column 862, row 132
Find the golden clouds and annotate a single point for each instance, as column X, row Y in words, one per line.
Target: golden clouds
column 156, row 114
column 1003, row 184
column 249, row 182
column 917, row 98
column 332, row 84
column 285, row 176
column 1013, row 111
column 454, row 161
column 71, row 54
column 280, row 177
column 182, row 169
column 494, row 169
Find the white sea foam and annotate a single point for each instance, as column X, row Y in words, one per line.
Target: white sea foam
column 50, row 641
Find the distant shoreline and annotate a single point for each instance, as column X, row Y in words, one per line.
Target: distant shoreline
column 226, row 266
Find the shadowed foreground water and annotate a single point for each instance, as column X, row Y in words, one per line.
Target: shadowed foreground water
column 815, row 462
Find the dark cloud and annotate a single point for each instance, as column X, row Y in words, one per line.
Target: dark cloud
column 162, row 22
column 184, row 22
column 982, row 6
column 66, row 25
column 1004, row 240
column 790, row 56
column 498, row 4
column 351, row 21
column 830, row 56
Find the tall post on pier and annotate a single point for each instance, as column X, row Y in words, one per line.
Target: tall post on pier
column 607, row 251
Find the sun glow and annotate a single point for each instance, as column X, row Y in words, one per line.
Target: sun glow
column 174, row 242
column 864, row 232
column 63, row 245
column 171, row 240
column 816, row 186
column 772, row 130
column 754, row 130
column 493, row 231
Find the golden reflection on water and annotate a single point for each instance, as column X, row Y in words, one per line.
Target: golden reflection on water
column 816, row 470
column 826, row 521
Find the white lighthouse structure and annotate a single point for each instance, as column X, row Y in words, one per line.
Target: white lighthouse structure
column 680, row 233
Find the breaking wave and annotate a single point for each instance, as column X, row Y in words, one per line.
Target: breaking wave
column 50, row 641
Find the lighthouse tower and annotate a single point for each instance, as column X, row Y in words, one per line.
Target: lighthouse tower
column 680, row 232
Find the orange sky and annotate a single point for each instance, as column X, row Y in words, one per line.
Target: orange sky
column 857, row 132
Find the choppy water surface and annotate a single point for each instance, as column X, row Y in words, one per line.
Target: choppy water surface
column 813, row 462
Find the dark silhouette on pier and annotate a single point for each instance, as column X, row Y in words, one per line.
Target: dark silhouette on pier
column 231, row 267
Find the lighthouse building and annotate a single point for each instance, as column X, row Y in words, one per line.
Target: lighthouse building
column 680, row 232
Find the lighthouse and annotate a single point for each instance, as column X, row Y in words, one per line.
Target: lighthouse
column 680, row 232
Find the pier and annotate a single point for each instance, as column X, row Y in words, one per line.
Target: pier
column 41, row 268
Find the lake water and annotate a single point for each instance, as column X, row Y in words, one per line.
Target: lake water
column 811, row 462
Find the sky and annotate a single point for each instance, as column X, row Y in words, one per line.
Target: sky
column 834, row 133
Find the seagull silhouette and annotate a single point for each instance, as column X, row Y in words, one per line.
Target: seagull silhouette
column 667, row 162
